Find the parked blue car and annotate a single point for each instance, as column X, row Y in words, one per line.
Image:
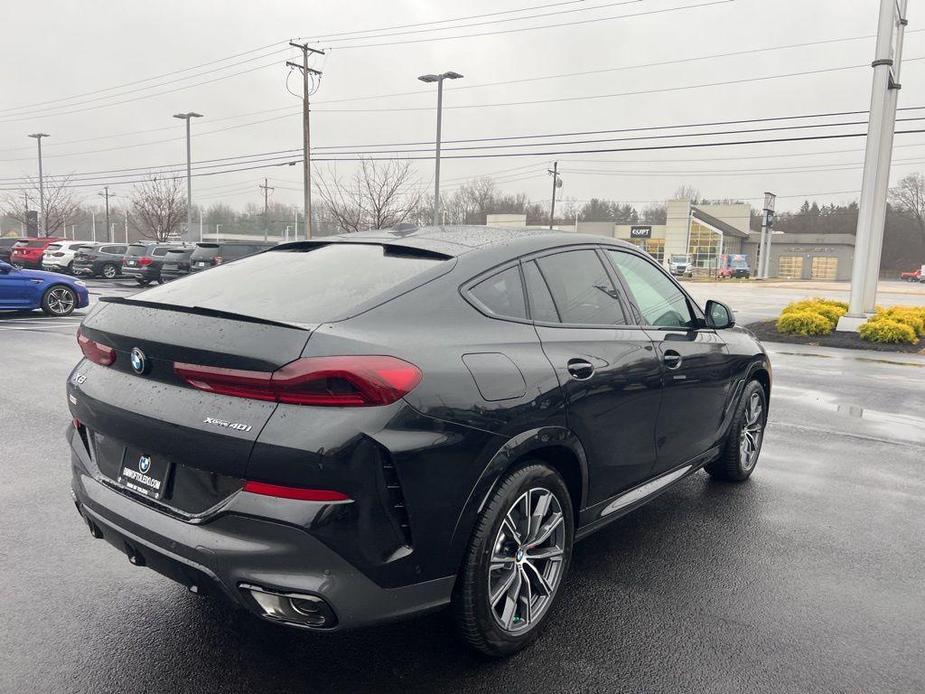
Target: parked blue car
column 27, row 290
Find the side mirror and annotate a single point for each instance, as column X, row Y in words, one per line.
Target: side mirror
column 719, row 315
column 5, row 268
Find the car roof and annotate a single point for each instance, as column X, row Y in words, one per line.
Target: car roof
column 456, row 241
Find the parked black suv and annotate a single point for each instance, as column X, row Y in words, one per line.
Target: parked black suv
column 143, row 261
column 6, row 246
column 344, row 431
column 209, row 255
column 99, row 260
column 176, row 263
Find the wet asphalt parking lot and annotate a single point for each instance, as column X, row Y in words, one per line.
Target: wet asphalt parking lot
column 809, row 577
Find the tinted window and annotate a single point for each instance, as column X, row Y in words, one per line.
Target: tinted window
column 204, row 252
column 115, row 250
column 303, row 286
column 542, row 307
column 53, row 247
column 581, row 289
column 134, row 251
column 502, row 294
column 32, row 244
column 160, row 251
column 660, row 301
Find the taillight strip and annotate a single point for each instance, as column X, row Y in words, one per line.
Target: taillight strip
column 95, row 351
column 298, row 493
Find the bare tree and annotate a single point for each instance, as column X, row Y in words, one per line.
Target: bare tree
column 687, row 192
column 908, row 197
column 158, row 207
column 378, row 196
column 60, row 204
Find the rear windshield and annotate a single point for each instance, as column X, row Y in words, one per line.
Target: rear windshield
column 205, row 252
column 299, row 286
column 137, row 250
column 31, row 244
column 54, row 246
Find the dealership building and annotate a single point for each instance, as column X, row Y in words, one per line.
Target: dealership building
column 705, row 232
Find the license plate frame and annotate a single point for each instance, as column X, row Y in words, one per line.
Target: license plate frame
column 144, row 474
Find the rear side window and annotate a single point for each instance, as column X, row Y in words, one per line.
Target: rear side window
column 542, row 307
column 581, row 288
column 661, row 303
column 115, row 250
column 302, row 286
column 502, row 294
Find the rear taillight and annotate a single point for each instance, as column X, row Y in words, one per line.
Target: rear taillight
column 94, row 351
column 145, row 261
column 217, row 260
column 300, row 493
column 355, row 381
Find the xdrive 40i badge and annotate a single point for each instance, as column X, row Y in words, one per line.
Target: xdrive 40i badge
column 237, row 426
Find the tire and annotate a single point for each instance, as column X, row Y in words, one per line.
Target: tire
column 499, row 629
column 59, row 301
column 109, row 271
column 141, row 282
column 746, row 434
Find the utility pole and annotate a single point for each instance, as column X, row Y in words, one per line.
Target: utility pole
column 42, row 211
column 106, row 194
column 767, row 225
column 877, row 159
column 93, row 225
column 189, row 175
column 556, row 183
column 25, row 213
column 126, row 227
column 450, row 75
column 295, row 236
column 200, row 226
column 266, row 208
column 307, row 74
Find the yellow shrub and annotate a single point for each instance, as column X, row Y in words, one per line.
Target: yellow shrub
column 887, row 331
column 828, row 309
column 803, row 323
column 907, row 315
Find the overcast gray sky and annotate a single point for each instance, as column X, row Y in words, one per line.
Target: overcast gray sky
column 58, row 49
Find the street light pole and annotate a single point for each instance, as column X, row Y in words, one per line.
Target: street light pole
column 106, row 194
column 439, row 80
column 870, row 188
column 556, row 183
column 189, row 174
column 42, row 211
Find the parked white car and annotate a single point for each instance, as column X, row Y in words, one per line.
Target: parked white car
column 59, row 255
column 679, row 265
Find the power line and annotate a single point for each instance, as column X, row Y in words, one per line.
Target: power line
column 534, row 28
column 292, row 162
column 742, row 121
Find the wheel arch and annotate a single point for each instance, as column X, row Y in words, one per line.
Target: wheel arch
column 556, row 446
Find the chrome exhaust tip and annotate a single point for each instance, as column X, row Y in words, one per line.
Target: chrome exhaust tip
column 295, row 609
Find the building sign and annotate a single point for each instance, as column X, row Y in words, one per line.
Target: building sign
column 640, row 232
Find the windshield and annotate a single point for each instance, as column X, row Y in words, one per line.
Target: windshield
column 299, row 286
column 738, row 264
column 679, row 258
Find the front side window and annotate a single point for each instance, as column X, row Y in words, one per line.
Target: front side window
column 581, row 289
column 502, row 294
column 661, row 303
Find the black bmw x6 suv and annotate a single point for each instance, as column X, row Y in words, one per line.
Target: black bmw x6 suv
column 340, row 432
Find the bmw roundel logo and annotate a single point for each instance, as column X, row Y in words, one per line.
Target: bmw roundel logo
column 144, row 463
column 139, row 361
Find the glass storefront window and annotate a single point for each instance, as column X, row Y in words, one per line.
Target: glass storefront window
column 704, row 247
column 654, row 247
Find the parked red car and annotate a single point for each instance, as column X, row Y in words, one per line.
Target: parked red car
column 28, row 252
column 911, row 276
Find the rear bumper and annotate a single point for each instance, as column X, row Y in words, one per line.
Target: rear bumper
column 250, row 541
column 143, row 273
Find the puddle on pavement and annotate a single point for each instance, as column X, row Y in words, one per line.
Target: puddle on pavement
column 872, row 360
column 889, row 425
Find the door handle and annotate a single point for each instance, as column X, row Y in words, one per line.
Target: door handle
column 672, row 359
column 580, row 369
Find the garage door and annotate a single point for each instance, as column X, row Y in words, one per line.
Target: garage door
column 824, row 268
column 790, row 267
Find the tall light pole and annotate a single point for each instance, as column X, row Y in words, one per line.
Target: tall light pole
column 42, row 211
column 439, row 80
column 106, row 194
column 308, row 75
column 767, row 224
column 872, row 206
column 189, row 174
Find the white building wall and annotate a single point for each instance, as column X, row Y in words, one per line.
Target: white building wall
column 676, row 227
